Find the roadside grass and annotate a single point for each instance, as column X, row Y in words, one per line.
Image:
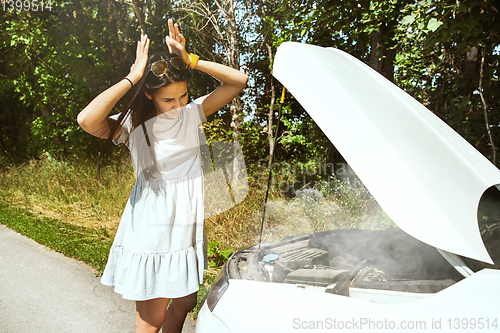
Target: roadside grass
column 69, row 191
column 90, row 245
column 60, row 204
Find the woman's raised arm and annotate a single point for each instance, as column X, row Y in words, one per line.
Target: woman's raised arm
column 233, row 81
column 93, row 118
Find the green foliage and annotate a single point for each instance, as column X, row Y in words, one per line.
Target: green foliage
column 440, row 64
column 54, row 62
column 217, row 255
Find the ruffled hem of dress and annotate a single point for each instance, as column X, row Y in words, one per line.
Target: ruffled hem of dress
column 144, row 276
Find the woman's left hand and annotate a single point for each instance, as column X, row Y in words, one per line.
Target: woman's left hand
column 176, row 42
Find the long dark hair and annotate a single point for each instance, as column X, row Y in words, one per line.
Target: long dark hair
column 140, row 108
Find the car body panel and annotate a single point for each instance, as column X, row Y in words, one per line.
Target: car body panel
column 287, row 308
column 426, row 177
column 210, row 323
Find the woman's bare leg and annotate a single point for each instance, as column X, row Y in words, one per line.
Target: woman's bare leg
column 150, row 315
column 177, row 312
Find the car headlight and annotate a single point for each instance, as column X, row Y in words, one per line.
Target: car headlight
column 218, row 288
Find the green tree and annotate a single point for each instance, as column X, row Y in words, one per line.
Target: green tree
column 54, row 62
column 458, row 44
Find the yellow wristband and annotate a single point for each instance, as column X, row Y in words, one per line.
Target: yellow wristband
column 194, row 60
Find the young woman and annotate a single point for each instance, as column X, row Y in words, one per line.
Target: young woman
column 159, row 252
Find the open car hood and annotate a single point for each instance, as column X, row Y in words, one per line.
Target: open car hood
column 426, row 177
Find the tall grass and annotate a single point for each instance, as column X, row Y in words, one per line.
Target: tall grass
column 68, row 191
column 321, row 207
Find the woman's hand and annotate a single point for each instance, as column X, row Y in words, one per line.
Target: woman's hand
column 176, row 42
column 141, row 58
column 233, row 81
column 93, row 118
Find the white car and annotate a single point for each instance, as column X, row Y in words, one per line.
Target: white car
column 432, row 274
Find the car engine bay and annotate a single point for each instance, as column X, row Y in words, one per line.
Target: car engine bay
column 341, row 259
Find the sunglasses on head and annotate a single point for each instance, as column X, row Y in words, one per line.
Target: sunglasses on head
column 159, row 67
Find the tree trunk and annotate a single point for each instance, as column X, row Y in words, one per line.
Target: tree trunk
column 271, row 109
column 377, row 51
column 381, row 57
column 139, row 16
column 229, row 41
column 159, row 11
column 236, row 106
column 485, row 107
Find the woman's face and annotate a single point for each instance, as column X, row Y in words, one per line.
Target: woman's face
column 169, row 100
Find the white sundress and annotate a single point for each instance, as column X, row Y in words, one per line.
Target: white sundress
column 160, row 246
